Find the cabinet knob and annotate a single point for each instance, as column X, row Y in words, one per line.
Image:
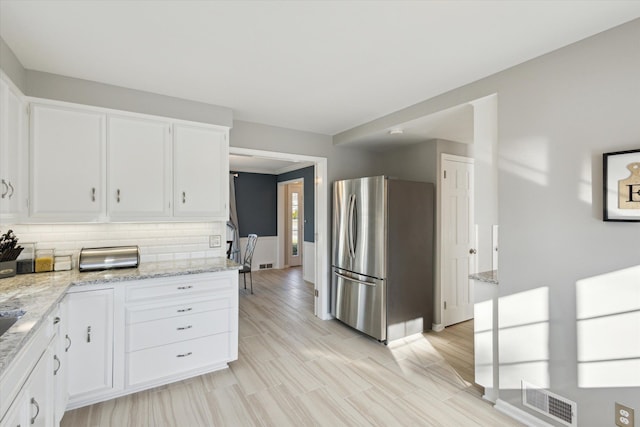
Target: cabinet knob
column 473, row 251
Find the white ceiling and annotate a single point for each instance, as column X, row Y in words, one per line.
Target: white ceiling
column 453, row 124
column 320, row 66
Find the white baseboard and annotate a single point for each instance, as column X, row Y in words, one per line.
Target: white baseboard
column 519, row 415
column 309, row 262
column 437, row 327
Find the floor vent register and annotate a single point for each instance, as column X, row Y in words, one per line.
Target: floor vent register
column 557, row 407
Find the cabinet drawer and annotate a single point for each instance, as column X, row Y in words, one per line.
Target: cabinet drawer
column 174, row 329
column 180, row 286
column 146, row 313
column 158, row 362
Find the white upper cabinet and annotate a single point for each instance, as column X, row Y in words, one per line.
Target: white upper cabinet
column 13, row 192
column 92, row 164
column 67, row 163
column 201, row 172
column 139, row 166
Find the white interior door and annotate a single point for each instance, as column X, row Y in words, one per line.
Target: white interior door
column 458, row 238
column 294, row 214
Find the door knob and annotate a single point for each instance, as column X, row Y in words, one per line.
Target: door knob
column 472, row 251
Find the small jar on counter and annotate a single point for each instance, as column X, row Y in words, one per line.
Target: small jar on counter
column 44, row 260
column 62, row 262
column 25, row 261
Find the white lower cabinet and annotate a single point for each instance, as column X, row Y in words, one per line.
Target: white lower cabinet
column 61, row 347
column 145, row 333
column 33, row 406
column 90, row 331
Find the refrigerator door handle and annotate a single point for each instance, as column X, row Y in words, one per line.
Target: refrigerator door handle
column 350, row 239
column 362, row 282
column 354, row 225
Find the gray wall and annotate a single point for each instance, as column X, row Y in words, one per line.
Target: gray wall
column 257, row 204
column 343, row 162
column 557, row 114
column 53, row 86
column 12, row 67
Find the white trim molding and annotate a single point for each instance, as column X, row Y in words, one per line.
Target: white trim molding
column 519, row 415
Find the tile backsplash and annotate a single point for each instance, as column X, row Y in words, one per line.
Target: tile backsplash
column 157, row 241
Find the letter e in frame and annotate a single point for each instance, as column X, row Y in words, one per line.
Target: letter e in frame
column 629, row 188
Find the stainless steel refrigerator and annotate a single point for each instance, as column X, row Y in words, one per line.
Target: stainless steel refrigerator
column 382, row 266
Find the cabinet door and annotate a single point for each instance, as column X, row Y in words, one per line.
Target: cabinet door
column 40, row 391
column 201, row 172
column 90, row 357
column 139, row 159
column 16, row 416
column 67, row 163
column 12, row 151
column 33, row 405
column 61, row 362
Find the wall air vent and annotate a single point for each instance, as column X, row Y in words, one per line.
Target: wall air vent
column 554, row 406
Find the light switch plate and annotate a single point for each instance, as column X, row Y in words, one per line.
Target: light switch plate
column 624, row 416
column 215, row 241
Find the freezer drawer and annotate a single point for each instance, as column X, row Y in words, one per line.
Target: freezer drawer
column 359, row 301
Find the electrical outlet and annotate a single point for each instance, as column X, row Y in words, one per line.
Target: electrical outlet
column 215, row 241
column 624, row 416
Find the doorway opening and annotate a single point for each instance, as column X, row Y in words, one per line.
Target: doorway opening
column 316, row 257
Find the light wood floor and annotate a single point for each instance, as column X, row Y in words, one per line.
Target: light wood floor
column 296, row 370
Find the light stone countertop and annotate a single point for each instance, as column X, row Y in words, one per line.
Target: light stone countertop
column 486, row 276
column 37, row 294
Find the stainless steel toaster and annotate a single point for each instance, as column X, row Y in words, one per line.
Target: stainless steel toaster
column 110, row 257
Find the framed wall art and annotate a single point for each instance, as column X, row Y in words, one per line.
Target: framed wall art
column 621, row 182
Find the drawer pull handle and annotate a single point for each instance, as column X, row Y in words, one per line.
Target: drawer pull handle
column 185, row 287
column 183, row 328
column 184, row 310
column 55, row 371
column 68, row 340
column 184, row 355
column 56, row 320
column 88, row 333
column 34, row 402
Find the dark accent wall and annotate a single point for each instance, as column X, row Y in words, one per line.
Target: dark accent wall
column 257, row 204
column 308, row 174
